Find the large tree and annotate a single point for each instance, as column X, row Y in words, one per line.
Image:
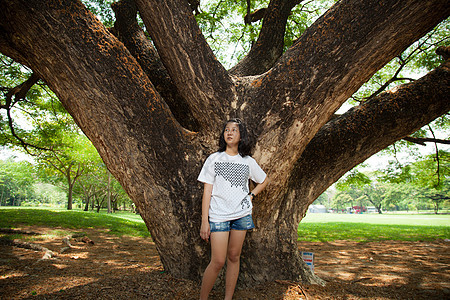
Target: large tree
column 154, row 109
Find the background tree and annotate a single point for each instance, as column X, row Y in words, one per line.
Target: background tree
column 16, row 182
column 93, row 188
column 49, row 195
column 397, row 196
column 88, row 188
column 341, row 201
column 432, row 174
column 47, row 131
column 61, row 171
column 70, row 158
column 154, row 113
column 375, row 194
column 412, row 186
column 437, row 196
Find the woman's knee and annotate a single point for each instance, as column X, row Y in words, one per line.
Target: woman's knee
column 234, row 256
column 217, row 263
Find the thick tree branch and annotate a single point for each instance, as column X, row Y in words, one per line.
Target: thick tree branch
column 365, row 130
column 19, row 92
column 8, row 49
column 201, row 79
column 255, row 16
column 131, row 34
column 444, row 52
column 269, row 46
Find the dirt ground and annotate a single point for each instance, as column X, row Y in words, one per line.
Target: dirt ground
column 129, row 268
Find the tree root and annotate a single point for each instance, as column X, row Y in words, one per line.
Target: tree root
column 293, row 284
column 16, row 243
column 47, row 253
column 17, row 231
column 81, row 237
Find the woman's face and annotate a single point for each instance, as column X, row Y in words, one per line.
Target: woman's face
column 231, row 134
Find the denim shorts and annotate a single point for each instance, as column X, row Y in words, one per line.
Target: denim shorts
column 244, row 223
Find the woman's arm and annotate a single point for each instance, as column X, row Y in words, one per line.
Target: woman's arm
column 204, row 229
column 260, row 186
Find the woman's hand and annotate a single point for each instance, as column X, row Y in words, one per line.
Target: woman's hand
column 205, row 231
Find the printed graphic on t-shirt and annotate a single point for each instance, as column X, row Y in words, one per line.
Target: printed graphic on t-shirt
column 245, row 203
column 236, row 174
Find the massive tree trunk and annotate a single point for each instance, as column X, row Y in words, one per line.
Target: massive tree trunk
column 119, row 102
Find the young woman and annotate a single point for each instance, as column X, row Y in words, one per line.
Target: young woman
column 227, row 203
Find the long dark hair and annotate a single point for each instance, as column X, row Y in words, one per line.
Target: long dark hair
column 244, row 147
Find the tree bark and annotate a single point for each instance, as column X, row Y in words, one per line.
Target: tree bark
column 105, row 89
column 201, row 79
column 134, row 38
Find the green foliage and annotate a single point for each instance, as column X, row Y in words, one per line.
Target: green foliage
column 323, row 199
column 61, row 152
column 395, row 173
column 222, row 24
column 353, row 178
column 36, row 119
column 413, row 63
column 341, row 200
column 406, row 153
column 16, row 182
column 417, row 59
column 428, row 173
column 415, row 186
column 72, row 153
column 102, row 9
column 425, row 56
column 428, row 176
column 48, row 195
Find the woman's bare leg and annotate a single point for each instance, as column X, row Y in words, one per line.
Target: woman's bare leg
column 236, row 240
column 219, row 246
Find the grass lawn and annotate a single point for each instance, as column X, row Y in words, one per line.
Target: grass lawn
column 314, row 227
column 387, row 219
column 117, row 223
column 373, row 227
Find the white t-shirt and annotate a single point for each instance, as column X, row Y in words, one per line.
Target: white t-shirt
column 229, row 176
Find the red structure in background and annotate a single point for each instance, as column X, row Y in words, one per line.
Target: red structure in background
column 358, row 209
